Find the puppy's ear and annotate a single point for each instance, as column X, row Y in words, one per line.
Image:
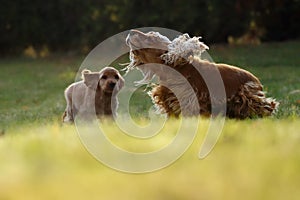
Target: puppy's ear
column 90, row 79
column 85, row 71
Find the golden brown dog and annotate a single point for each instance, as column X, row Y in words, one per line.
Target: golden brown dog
column 243, row 96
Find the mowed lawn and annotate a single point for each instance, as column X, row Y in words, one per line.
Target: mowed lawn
column 253, row 159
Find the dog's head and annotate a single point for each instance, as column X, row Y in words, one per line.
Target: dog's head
column 107, row 80
column 147, row 47
column 152, row 47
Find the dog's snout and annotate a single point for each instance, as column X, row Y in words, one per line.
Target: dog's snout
column 136, row 34
column 132, row 34
column 112, row 85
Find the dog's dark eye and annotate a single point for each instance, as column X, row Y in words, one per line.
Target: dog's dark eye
column 116, row 77
column 104, row 77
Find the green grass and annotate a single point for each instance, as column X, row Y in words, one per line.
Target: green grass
column 253, row 159
column 32, row 90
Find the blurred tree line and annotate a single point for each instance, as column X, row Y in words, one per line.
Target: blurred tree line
column 82, row 24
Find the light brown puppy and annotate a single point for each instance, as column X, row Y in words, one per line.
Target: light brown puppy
column 243, row 95
column 96, row 95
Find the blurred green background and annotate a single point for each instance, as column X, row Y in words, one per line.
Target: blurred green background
column 82, row 24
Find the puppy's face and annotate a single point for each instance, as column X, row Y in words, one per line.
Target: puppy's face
column 107, row 80
column 147, row 47
column 110, row 80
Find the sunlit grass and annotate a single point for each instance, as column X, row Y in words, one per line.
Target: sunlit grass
column 254, row 159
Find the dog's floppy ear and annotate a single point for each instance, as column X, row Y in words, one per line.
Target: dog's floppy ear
column 90, row 79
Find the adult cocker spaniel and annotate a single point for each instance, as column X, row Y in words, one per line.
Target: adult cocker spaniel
column 241, row 93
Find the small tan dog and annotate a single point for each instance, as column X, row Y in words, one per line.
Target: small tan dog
column 96, row 95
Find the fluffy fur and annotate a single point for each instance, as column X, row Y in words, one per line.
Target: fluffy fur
column 244, row 93
column 94, row 95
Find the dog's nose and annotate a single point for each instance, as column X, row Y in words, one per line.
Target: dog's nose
column 112, row 85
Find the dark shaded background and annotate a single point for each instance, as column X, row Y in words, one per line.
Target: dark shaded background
column 82, row 24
